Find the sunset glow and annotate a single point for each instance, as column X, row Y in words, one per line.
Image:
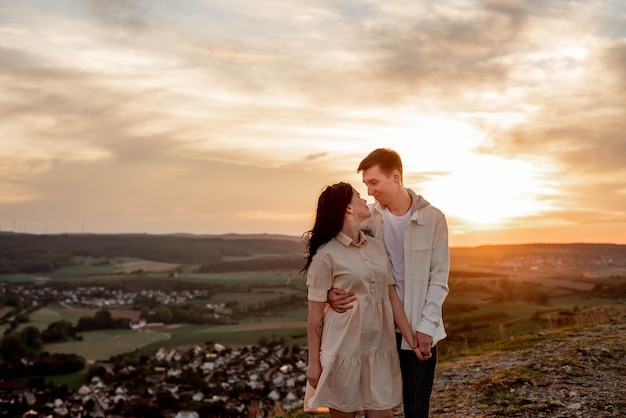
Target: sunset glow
column 210, row 117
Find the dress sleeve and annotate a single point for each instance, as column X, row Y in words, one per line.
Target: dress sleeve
column 319, row 277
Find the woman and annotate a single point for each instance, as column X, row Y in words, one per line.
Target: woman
column 353, row 360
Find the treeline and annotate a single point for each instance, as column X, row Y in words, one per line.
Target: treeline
column 19, row 309
column 43, row 365
column 28, row 341
column 188, row 313
column 22, row 356
column 259, row 305
column 26, row 253
column 288, row 262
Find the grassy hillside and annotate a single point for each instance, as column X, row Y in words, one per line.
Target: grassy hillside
column 574, row 371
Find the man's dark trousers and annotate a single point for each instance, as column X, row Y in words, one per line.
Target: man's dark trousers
column 417, row 381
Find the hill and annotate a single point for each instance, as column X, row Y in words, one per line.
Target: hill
column 30, row 253
column 571, row 372
column 27, row 253
column 575, row 371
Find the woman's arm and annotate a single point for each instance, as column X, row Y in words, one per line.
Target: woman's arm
column 399, row 316
column 314, row 328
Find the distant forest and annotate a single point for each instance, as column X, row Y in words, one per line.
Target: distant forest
column 27, row 253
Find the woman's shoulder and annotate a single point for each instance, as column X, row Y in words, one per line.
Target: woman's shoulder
column 326, row 248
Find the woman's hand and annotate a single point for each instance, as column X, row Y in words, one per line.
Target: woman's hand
column 423, row 345
column 313, row 373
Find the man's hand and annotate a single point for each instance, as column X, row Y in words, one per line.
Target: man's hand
column 339, row 300
column 423, row 345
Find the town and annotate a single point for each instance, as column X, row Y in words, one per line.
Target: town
column 199, row 380
column 210, row 380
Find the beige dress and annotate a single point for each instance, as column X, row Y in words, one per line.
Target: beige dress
column 360, row 366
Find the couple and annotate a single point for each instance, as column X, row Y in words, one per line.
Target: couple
column 358, row 359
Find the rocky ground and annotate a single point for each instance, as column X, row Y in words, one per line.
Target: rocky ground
column 569, row 372
column 574, row 372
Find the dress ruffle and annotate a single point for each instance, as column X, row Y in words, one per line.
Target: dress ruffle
column 358, row 379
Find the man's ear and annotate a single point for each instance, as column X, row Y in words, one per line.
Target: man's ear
column 396, row 175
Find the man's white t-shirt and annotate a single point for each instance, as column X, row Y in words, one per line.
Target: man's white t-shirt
column 393, row 237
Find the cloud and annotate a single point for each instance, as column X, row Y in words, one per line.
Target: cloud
column 140, row 104
column 125, row 15
column 580, row 127
column 312, row 157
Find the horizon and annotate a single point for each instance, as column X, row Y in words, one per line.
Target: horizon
column 214, row 118
column 287, row 236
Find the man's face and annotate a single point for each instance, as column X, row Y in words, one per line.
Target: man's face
column 379, row 185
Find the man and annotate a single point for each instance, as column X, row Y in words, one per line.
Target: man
column 416, row 238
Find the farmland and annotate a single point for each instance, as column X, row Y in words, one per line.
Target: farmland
column 476, row 311
column 495, row 292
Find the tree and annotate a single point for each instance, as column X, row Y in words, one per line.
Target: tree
column 32, row 338
column 58, row 331
column 86, row 323
column 103, row 319
column 96, row 370
column 90, row 405
column 22, row 318
column 12, row 346
column 12, row 299
column 159, row 314
column 165, row 399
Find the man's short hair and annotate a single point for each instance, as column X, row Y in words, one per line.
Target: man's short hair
column 387, row 159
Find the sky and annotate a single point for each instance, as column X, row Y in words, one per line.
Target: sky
column 228, row 116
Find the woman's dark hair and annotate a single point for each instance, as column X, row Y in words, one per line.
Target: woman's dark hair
column 331, row 208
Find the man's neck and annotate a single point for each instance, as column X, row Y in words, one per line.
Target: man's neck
column 401, row 204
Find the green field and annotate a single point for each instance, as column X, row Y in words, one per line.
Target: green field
column 44, row 317
column 104, row 344
column 87, row 266
column 16, row 277
column 268, row 278
column 188, row 335
column 87, row 275
column 73, row 381
column 100, row 345
column 89, row 269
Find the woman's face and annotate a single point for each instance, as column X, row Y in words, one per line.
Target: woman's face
column 359, row 205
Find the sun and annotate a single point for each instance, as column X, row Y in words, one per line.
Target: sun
column 447, row 160
column 489, row 190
